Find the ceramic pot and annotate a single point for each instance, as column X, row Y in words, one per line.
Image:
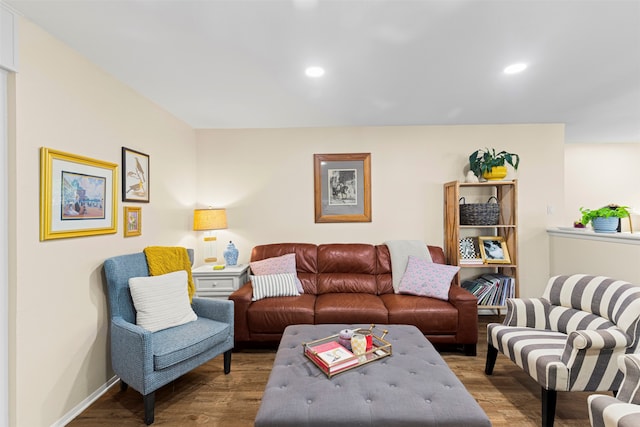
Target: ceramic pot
column 230, row 254
column 497, row 173
column 605, row 225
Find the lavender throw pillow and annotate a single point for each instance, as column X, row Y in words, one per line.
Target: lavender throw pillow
column 425, row 278
column 277, row 265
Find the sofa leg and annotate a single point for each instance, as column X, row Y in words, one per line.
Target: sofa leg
column 469, row 350
column 227, row 361
column 149, row 404
column 492, row 355
column 548, row 407
column 123, row 386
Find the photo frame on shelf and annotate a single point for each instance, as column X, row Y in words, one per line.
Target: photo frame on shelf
column 494, row 250
column 135, row 176
column 468, row 248
column 132, row 221
column 469, row 251
column 77, row 195
column 342, row 187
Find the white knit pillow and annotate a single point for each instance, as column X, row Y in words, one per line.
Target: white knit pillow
column 161, row 301
column 274, row 285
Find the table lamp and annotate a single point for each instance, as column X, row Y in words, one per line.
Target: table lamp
column 208, row 220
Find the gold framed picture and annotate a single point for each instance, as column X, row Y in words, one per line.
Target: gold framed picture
column 342, row 187
column 494, row 250
column 132, row 221
column 77, row 195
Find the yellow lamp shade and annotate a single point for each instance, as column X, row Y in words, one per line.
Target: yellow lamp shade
column 209, row 219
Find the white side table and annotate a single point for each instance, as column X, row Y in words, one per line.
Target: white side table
column 219, row 284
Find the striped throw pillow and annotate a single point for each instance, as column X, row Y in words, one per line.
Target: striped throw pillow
column 277, row 265
column 274, row 285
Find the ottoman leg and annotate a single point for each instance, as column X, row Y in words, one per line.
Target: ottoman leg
column 492, row 355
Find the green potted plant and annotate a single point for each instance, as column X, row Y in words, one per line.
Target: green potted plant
column 605, row 219
column 490, row 165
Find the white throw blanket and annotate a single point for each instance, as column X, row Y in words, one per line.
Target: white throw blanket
column 400, row 251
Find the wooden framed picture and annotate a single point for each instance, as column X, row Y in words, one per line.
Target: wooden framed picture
column 132, row 221
column 494, row 250
column 77, row 195
column 135, row 176
column 342, row 187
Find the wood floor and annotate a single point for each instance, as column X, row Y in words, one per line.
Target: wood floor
column 207, row 397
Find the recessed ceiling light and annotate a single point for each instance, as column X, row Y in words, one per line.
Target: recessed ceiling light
column 515, row 68
column 314, row 71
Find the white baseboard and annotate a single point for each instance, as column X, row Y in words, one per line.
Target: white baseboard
column 80, row 407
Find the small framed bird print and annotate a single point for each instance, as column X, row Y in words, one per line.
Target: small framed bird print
column 135, row 176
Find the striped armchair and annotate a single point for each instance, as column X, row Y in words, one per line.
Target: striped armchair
column 624, row 409
column 571, row 337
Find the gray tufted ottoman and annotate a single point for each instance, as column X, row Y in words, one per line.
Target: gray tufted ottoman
column 412, row 387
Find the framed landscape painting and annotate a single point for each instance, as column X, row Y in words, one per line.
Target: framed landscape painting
column 77, row 195
column 342, row 187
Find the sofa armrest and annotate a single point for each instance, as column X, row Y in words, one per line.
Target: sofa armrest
column 214, row 309
column 629, row 391
column 467, row 305
column 131, row 352
column 594, row 341
column 241, row 302
column 527, row 313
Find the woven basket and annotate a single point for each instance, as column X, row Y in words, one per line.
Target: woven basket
column 479, row 213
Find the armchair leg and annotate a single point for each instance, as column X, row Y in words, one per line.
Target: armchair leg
column 149, row 404
column 123, row 386
column 227, row 361
column 548, row 407
column 492, row 355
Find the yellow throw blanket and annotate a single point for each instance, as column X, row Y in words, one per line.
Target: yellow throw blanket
column 167, row 259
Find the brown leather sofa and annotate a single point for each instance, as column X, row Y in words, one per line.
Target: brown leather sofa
column 351, row 283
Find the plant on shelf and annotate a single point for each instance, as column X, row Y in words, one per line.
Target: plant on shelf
column 604, row 219
column 483, row 162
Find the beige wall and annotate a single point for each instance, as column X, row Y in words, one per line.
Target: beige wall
column 58, row 341
column 605, row 257
column 599, row 174
column 265, row 180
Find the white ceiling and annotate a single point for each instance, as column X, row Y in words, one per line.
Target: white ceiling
column 240, row 64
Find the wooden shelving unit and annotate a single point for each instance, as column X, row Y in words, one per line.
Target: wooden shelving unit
column 506, row 192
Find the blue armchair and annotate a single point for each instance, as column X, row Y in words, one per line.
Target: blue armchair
column 149, row 360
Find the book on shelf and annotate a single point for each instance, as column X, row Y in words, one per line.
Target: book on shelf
column 331, row 356
column 491, row 289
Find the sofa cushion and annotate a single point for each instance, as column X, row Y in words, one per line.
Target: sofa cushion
column 170, row 348
column 567, row 320
column 431, row 316
column 428, row 279
column 273, row 285
column 277, row 265
column 350, row 308
column 162, row 301
column 272, row 315
column 346, row 283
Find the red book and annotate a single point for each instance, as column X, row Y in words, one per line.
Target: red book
column 331, row 357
